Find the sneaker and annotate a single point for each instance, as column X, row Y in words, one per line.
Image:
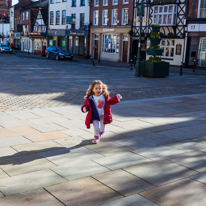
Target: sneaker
column 100, row 133
column 96, row 139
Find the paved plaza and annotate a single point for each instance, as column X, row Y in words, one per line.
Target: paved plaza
column 153, row 153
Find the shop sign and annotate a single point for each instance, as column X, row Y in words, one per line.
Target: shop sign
column 77, row 33
column 108, row 30
column 50, row 42
column 16, row 35
column 34, row 33
column 63, row 43
column 71, row 20
column 86, row 27
column 59, row 32
column 193, row 27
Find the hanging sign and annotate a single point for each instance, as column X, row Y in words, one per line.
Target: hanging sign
column 71, row 20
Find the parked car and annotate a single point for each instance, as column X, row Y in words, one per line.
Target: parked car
column 58, row 53
column 5, row 48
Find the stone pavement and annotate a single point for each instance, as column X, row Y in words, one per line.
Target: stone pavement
column 154, row 152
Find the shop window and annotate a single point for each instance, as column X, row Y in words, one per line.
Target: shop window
column 81, row 21
column 73, row 3
column 114, row 2
column 57, row 17
column 96, row 2
column 203, row 9
column 73, row 25
column 165, row 15
column 27, row 15
column 125, row 16
column 168, row 47
column 104, row 17
column 96, row 17
column 114, row 16
column 64, row 17
column 37, row 45
column 201, row 57
column 125, row 1
column 105, row 2
column 110, row 43
column 82, row 3
column 51, row 18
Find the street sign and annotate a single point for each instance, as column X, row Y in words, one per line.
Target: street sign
column 86, row 27
column 71, row 20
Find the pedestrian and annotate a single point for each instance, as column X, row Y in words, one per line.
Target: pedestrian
column 97, row 104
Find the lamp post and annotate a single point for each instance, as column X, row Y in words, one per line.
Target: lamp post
column 137, row 73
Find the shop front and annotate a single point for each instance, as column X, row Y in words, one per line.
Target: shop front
column 26, row 44
column 78, row 41
column 57, row 38
column 110, row 44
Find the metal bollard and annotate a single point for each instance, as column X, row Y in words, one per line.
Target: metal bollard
column 181, row 68
column 93, row 61
column 194, row 66
column 131, row 64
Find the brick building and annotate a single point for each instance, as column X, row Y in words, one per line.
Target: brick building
column 196, row 33
column 110, row 25
column 4, row 8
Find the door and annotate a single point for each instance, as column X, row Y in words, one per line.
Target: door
column 95, row 49
column 125, row 49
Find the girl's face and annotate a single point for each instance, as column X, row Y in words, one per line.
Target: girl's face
column 97, row 89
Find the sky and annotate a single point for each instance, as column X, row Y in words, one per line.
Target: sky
column 14, row 2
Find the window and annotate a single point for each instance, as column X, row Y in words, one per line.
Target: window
column 96, row 17
column 81, row 21
column 64, row 17
column 202, row 9
column 165, row 15
column 51, row 18
column 73, row 2
column 125, row 16
column 105, row 2
column 27, row 15
column 114, row 2
column 64, row 0
column 168, row 47
column 96, row 2
column 82, row 3
column 110, row 43
column 104, row 17
column 57, row 17
column 73, row 25
column 114, row 16
column 125, row 1
column 51, row 1
column 23, row 16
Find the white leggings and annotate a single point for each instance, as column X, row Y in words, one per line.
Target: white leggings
column 96, row 124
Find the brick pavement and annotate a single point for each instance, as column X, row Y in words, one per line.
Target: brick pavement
column 154, row 152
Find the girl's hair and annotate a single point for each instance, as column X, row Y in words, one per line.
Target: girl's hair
column 89, row 92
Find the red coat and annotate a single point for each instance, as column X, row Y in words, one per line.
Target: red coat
column 107, row 110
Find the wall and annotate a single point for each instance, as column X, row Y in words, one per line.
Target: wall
column 5, row 28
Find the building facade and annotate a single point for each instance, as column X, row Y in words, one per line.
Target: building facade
column 109, row 32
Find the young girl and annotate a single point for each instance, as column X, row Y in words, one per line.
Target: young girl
column 97, row 104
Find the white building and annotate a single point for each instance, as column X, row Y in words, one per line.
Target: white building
column 78, row 12
column 12, row 24
column 57, row 23
column 4, row 32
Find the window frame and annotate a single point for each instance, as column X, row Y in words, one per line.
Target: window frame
column 27, row 15
column 105, row 4
column 74, row 3
column 81, row 2
column 23, row 16
column 63, row 18
column 103, row 17
column 51, row 18
column 94, row 18
column 73, row 26
column 114, row 3
column 59, row 17
column 80, row 20
column 201, row 9
column 95, row 3
column 123, row 12
column 125, row 2
column 106, row 42
column 113, row 11
column 170, row 46
column 51, row 1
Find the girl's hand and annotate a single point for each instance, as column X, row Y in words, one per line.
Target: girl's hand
column 84, row 109
column 119, row 96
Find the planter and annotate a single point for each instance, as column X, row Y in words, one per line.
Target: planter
column 155, row 28
column 154, row 52
column 155, row 69
column 155, row 41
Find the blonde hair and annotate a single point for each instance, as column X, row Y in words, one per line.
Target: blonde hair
column 89, row 92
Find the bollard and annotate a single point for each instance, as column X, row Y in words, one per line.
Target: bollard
column 92, row 61
column 99, row 59
column 131, row 64
column 135, row 60
column 194, row 66
column 181, row 68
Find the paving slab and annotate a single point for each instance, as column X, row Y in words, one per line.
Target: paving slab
column 123, row 182
column 193, row 160
column 3, row 174
column 200, row 139
column 195, row 129
column 46, row 136
column 184, row 192
column 38, row 197
column 6, row 132
column 76, row 132
column 30, row 181
column 62, row 156
column 86, row 188
column 132, row 200
column 188, row 145
column 49, row 127
column 37, row 147
column 79, row 169
column 200, row 177
column 120, row 160
column 10, row 141
column 25, row 115
column 8, row 152
column 158, row 152
column 46, row 113
column 108, row 148
column 160, row 172
column 14, row 123
column 24, row 164
column 162, row 127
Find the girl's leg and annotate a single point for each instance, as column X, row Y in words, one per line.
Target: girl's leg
column 102, row 126
column 96, row 132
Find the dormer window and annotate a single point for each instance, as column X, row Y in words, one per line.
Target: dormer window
column 165, row 15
